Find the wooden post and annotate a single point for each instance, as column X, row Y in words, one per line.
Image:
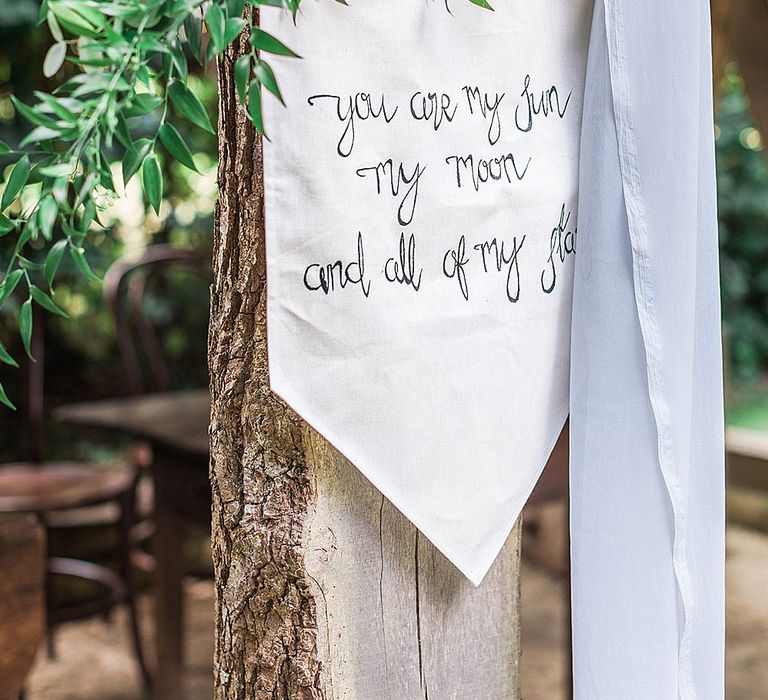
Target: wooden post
column 323, row 589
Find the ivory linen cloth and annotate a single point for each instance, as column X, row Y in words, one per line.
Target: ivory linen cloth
column 421, row 193
column 646, row 429
column 449, row 397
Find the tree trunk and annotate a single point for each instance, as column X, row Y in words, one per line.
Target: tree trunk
column 323, row 589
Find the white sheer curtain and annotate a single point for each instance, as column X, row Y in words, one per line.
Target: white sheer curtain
column 647, row 478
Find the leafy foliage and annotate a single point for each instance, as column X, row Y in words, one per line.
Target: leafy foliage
column 122, row 60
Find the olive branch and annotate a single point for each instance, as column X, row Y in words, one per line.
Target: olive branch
column 131, row 59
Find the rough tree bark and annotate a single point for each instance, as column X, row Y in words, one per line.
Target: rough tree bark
column 266, row 628
column 323, row 589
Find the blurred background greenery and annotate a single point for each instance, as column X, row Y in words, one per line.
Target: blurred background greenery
column 82, row 362
column 742, row 178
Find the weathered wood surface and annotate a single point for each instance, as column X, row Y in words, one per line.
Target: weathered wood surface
column 22, row 611
column 396, row 619
column 305, row 609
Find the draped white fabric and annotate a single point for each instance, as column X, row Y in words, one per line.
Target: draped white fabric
column 647, row 481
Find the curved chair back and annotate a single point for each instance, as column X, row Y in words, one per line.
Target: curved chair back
column 125, row 285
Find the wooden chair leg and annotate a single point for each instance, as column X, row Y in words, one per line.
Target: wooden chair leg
column 146, row 677
column 50, row 642
column 50, row 646
column 126, row 523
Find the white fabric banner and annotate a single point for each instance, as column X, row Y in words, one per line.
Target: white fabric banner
column 421, row 192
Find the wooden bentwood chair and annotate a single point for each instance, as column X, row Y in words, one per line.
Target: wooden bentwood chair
column 127, row 285
column 50, row 490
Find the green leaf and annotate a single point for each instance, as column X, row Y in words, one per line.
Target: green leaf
column 122, row 132
column 46, row 215
column 254, row 106
column 60, row 191
column 215, row 21
column 89, row 215
column 264, row 73
column 62, row 107
column 39, row 134
column 28, row 232
column 92, row 15
column 189, row 105
column 4, row 148
column 152, row 181
column 96, row 62
column 45, row 301
column 85, row 189
column 144, row 75
column 242, row 73
column 27, row 264
column 53, row 260
column 179, row 60
column 33, row 115
column 235, row 8
column 105, row 174
column 232, row 29
column 266, row 42
column 482, row 3
column 134, row 157
column 6, row 225
column 78, row 256
column 73, row 22
column 25, row 326
column 5, row 357
column 42, row 11
column 9, row 284
column 53, row 25
column 142, row 15
column 54, row 59
column 15, row 183
column 95, row 84
column 5, row 400
column 57, row 169
column 223, row 31
column 172, row 140
column 193, row 30
column 143, row 103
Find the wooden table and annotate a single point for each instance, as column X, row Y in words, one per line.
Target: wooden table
column 176, row 425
